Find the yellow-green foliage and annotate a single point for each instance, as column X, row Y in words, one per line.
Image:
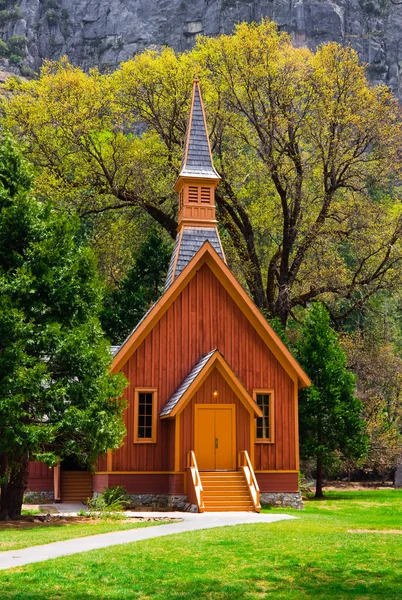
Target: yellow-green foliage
column 307, row 151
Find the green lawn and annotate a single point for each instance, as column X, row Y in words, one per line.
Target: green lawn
column 314, row 557
column 13, row 538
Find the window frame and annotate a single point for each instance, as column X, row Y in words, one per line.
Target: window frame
column 137, row 392
column 271, row 439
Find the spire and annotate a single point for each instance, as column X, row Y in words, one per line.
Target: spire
column 197, row 157
column 198, row 178
column 196, row 187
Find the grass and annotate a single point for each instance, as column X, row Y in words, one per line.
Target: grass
column 31, row 512
column 313, row 557
column 20, row 534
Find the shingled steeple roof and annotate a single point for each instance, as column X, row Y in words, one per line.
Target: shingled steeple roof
column 197, row 157
column 195, row 185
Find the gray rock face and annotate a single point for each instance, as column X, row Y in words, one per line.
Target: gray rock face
column 96, row 32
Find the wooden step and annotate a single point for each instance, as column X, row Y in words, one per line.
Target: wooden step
column 226, row 491
column 229, row 509
column 75, row 486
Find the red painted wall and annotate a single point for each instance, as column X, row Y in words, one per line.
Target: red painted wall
column 40, row 477
column 202, row 318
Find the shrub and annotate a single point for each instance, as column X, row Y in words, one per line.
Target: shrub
column 15, row 59
column 3, row 48
column 106, row 505
column 52, row 16
column 118, row 492
column 17, row 45
column 26, row 71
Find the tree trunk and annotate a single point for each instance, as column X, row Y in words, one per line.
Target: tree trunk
column 319, row 478
column 12, row 492
column 282, row 306
column 3, row 480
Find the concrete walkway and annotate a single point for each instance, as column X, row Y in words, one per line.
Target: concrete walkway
column 189, row 522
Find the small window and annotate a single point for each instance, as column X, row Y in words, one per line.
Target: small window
column 145, row 416
column 264, row 425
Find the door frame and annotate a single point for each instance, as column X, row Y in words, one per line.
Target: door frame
column 232, row 407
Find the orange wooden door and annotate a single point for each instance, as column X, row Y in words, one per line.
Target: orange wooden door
column 215, row 437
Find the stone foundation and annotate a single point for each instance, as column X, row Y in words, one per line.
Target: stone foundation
column 38, row 497
column 282, row 499
column 159, row 502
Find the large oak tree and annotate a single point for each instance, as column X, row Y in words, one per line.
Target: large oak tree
column 307, row 150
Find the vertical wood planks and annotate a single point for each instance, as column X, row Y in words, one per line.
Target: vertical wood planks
column 202, row 318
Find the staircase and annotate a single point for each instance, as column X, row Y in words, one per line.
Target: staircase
column 226, row 491
column 75, row 486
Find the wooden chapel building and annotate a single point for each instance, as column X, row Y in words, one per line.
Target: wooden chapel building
column 212, row 416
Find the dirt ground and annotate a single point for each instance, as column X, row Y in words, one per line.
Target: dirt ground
column 357, row 486
column 386, row 531
column 31, row 522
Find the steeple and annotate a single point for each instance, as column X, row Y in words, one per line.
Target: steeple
column 198, row 178
column 196, row 185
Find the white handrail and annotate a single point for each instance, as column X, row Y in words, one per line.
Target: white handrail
column 245, row 464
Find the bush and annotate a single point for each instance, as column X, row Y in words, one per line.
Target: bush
column 106, row 505
column 26, row 71
column 15, row 59
column 17, row 45
column 304, row 484
column 3, row 48
column 118, row 492
column 52, row 16
column 10, row 15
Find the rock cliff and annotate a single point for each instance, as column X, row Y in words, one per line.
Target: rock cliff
column 96, row 32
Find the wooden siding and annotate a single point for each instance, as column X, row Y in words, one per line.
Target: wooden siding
column 214, row 381
column 99, row 483
column 164, row 483
column 101, row 464
column 40, row 477
column 202, row 318
column 277, row 482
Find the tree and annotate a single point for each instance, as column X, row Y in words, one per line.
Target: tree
column 127, row 302
column 372, row 344
column 329, row 412
column 307, row 150
column 57, row 397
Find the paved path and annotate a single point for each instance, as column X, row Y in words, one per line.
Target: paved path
column 190, row 522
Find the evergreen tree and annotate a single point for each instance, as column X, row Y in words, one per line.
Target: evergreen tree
column 329, row 412
column 57, row 397
column 126, row 304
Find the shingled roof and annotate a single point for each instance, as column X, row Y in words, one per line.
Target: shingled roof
column 182, row 389
column 188, row 242
column 197, row 158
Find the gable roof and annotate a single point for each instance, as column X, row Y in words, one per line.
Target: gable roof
column 196, row 378
column 188, row 241
column 197, row 157
column 207, row 255
column 183, row 387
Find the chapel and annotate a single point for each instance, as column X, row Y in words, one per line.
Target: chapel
column 212, row 399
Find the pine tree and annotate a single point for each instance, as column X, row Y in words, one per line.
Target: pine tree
column 127, row 303
column 329, row 412
column 57, row 398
